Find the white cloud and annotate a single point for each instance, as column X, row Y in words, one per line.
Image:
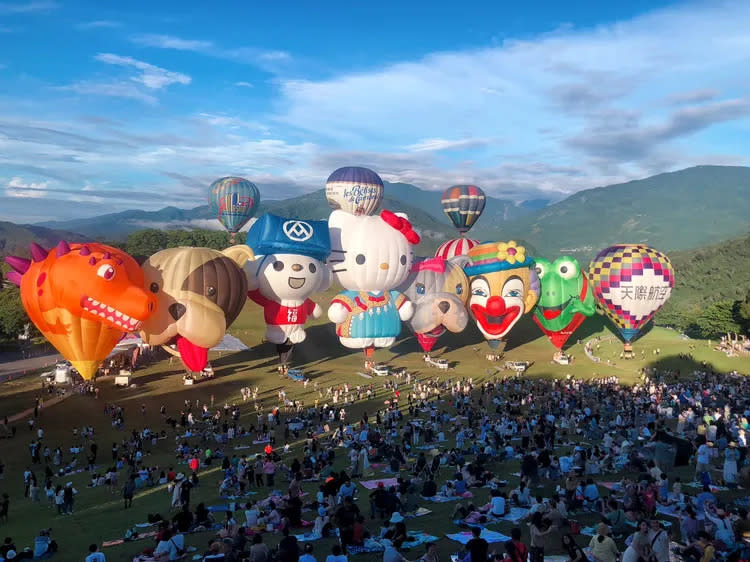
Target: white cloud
column 434, row 145
column 98, row 24
column 541, row 117
column 41, row 6
column 114, row 89
column 265, row 58
column 553, row 98
column 17, row 187
column 151, row 76
column 231, row 122
column 170, row 42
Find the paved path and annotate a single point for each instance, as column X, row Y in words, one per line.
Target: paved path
column 18, row 367
column 46, row 404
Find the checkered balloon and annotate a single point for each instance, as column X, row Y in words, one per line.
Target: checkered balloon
column 631, row 283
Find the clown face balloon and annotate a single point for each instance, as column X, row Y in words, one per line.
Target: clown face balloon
column 503, row 285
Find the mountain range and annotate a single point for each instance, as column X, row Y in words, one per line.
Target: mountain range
column 680, row 210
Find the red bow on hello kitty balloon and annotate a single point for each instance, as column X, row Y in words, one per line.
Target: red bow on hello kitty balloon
column 400, row 224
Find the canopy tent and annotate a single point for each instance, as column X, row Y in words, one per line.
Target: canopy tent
column 130, row 341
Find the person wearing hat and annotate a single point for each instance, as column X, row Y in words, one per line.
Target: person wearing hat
column 378, row 499
column 603, row 548
column 321, row 521
column 396, row 533
column 731, row 456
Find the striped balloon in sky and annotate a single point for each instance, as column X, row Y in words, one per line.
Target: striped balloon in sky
column 464, row 205
column 631, row 283
column 233, row 201
column 455, row 247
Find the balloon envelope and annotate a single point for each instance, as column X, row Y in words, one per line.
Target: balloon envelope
column 566, row 299
column 358, row 191
column 83, row 298
column 233, row 201
column 455, row 247
column 464, row 205
column 631, row 283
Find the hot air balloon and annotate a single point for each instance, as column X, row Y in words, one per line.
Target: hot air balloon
column 289, row 268
column 83, row 298
column 504, row 286
column 566, row 299
column 233, row 201
column 439, row 290
column 631, row 283
column 370, row 257
column 358, row 191
column 455, row 247
column 464, row 205
column 199, row 293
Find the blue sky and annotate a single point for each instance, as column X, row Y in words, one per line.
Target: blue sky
column 105, row 109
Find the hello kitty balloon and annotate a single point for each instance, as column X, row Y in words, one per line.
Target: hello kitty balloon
column 370, row 255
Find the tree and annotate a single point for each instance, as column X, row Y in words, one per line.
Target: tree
column 743, row 312
column 716, row 320
column 145, row 243
column 13, row 317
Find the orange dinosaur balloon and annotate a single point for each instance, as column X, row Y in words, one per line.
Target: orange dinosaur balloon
column 83, row 298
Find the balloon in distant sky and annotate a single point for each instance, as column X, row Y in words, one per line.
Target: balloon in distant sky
column 631, row 283
column 370, row 257
column 455, row 247
column 464, row 205
column 358, row 191
column 233, row 201
column 83, row 298
column 566, row 299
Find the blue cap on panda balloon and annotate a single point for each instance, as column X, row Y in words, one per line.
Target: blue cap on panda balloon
column 272, row 234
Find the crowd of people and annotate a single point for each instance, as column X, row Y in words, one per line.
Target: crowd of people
column 441, row 440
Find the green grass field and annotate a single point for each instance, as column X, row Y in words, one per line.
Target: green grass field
column 99, row 515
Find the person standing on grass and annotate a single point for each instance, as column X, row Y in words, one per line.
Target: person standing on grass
column 537, row 538
column 127, row 492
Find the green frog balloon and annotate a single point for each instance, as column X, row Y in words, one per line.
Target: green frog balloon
column 565, row 301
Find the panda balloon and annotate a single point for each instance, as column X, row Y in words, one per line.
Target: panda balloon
column 290, row 266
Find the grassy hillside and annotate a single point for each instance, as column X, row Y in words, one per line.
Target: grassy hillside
column 674, row 211
column 707, row 275
column 15, row 238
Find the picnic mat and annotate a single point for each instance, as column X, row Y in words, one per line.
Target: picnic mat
column 442, row 499
column 516, row 514
column 372, row 484
column 419, row 513
column 672, row 510
column 614, row 486
column 489, row 536
column 370, row 545
column 415, row 538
